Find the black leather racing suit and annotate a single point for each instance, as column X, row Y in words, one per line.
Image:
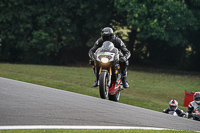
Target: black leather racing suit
column 119, row 45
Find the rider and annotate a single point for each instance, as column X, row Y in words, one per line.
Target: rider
column 173, row 106
column 107, row 34
column 193, row 105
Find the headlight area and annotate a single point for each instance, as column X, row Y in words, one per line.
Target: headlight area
column 104, row 60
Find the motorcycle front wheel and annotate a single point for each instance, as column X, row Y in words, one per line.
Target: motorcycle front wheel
column 103, row 87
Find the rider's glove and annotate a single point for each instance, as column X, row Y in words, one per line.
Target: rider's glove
column 122, row 59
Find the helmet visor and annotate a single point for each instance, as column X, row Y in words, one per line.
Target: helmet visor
column 197, row 99
column 173, row 107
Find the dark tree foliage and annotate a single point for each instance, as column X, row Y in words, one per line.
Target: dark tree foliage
column 161, row 32
column 51, row 31
column 194, row 39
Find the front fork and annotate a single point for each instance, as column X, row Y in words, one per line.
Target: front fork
column 98, row 70
column 109, row 75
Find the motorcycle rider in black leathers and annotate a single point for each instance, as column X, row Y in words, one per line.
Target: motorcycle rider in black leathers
column 173, row 106
column 193, row 105
column 108, row 35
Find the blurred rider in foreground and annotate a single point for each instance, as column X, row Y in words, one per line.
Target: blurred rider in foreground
column 107, row 34
column 193, row 105
column 173, row 106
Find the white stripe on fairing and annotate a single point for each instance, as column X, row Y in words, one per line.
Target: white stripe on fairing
column 75, row 127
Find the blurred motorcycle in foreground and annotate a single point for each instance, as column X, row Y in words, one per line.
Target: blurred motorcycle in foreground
column 107, row 69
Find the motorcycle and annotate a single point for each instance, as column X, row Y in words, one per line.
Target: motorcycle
column 107, row 68
column 196, row 114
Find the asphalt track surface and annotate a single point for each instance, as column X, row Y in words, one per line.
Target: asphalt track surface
column 29, row 104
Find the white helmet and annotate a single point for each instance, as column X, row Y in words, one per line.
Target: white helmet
column 197, row 97
column 173, row 105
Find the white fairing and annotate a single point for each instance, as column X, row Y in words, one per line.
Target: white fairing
column 106, row 54
column 193, row 104
column 172, row 113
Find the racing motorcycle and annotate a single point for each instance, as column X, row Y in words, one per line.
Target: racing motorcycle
column 107, row 68
column 196, row 114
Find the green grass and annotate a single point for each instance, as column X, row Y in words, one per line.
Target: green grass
column 148, row 90
column 97, row 131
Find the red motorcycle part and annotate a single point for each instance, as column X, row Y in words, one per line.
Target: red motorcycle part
column 114, row 87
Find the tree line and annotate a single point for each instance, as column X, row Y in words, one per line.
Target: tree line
column 61, row 32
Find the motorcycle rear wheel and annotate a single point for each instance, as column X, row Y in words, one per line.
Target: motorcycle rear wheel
column 103, row 87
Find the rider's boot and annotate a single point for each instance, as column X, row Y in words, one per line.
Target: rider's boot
column 95, row 82
column 124, row 80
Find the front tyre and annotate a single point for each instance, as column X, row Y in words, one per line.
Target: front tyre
column 103, row 87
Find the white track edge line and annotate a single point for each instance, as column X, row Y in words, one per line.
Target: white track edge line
column 75, row 127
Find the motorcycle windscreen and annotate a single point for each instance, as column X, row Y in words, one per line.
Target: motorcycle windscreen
column 172, row 113
column 198, row 109
column 107, row 47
